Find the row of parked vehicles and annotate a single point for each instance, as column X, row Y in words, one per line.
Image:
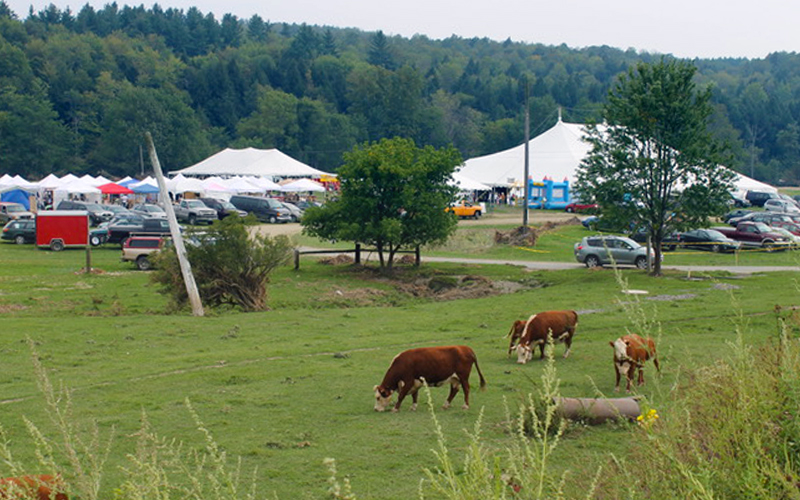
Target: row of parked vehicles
column 116, row 223
column 767, row 230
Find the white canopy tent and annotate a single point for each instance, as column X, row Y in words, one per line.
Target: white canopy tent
column 251, row 161
column 466, row 184
column 302, row 185
column 555, row 153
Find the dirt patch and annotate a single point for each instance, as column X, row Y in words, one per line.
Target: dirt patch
column 8, row 308
column 437, row 288
column 526, row 236
column 337, row 260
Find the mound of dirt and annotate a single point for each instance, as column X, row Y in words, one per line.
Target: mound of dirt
column 526, row 236
column 337, row 260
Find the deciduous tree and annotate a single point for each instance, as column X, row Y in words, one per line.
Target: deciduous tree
column 655, row 163
column 393, row 196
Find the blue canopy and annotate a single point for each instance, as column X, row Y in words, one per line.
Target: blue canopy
column 17, row 196
column 144, row 189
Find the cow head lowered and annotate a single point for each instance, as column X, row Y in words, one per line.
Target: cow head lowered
column 383, row 398
column 436, row 366
column 560, row 325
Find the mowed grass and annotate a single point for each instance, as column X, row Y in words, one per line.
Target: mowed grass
column 287, row 388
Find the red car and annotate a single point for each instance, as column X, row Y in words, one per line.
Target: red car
column 580, row 206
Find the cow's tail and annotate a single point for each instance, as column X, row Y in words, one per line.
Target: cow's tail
column 655, row 356
column 478, row 368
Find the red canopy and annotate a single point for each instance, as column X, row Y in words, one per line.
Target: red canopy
column 113, row 188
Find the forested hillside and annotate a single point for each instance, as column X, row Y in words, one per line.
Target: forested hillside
column 78, row 90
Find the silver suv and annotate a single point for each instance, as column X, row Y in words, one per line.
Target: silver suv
column 599, row 250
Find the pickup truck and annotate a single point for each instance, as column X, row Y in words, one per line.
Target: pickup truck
column 465, row 209
column 755, row 234
column 119, row 232
column 194, row 211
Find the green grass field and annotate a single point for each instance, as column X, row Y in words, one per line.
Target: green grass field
column 287, row 388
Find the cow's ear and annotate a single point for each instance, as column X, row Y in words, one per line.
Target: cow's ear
column 611, row 344
column 375, row 388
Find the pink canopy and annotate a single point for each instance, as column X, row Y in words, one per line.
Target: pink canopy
column 113, row 188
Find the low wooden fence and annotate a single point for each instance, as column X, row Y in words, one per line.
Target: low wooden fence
column 357, row 251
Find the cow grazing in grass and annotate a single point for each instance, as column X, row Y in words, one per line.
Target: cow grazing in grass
column 42, row 487
column 432, row 365
column 630, row 353
column 558, row 324
column 517, row 329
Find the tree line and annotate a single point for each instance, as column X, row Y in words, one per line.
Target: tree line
column 78, row 91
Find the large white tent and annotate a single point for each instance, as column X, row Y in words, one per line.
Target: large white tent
column 251, row 161
column 555, row 153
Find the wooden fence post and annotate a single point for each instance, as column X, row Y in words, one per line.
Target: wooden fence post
column 358, row 253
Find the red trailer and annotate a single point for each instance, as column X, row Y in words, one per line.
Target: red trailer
column 59, row 229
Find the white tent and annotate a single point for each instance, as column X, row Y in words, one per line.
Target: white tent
column 181, row 184
column 302, row 185
column 251, row 161
column 555, row 153
column 466, row 184
column 263, row 183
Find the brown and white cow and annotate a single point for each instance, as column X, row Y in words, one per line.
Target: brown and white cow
column 560, row 325
column 517, row 329
column 630, row 353
column 42, row 487
column 435, row 366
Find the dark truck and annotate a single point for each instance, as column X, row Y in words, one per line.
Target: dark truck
column 118, row 233
column 755, row 235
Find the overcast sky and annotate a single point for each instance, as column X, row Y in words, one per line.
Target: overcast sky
column 684, row 28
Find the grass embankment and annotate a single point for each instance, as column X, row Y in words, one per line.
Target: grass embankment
column 287, row 388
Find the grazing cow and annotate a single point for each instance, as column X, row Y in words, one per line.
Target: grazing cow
column 630, row 353
column 432, row 365
column 516, row 334
column 558, row 324
column 42, row 487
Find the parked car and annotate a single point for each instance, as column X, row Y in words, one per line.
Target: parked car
column 580, row 206
column 125, row 228
column 758, row 198
column 739, row 201
column 11, row 211
column 756, row 234
column 598, row 223
column 140, row 249
column 709, row 240
column 194, row 211
column 781, row 205
column 149, row 210
column 224, row 208
column 733, row 214
column 115, row 209
column 265, row 209
column 619, row 250
column 20, row 231
column 464, row 209
column 669, row 243
column 297, row 214
column 766, row 217
column 97, row 214
column 304, row 204
column 792, row 227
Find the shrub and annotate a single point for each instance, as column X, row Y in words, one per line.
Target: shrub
column 230, row 266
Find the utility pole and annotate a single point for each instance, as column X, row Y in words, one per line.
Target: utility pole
column 527, row 156
column 175, row 231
